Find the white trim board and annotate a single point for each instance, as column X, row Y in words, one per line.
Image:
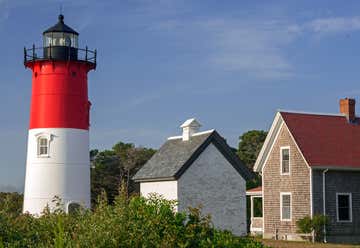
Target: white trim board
column 271, row 136
column 255, row 193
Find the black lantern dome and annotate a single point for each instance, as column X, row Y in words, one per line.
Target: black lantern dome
column 60, row 43
column 60, row 27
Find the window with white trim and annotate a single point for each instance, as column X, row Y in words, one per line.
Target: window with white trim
column 285, row 160
column 43, row 141
column 344, row 207
column 43, row 146
column 285, row 206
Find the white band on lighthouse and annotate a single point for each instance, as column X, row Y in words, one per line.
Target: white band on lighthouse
column 58, row 165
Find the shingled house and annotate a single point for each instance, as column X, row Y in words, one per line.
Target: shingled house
column 199, row 168
column 310, row 164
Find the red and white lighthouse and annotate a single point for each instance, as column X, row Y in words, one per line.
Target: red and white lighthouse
column 58, row 163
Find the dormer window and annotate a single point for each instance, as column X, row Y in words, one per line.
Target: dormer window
column 285, row 160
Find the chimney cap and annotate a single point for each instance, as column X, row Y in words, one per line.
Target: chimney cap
column 347, row 99
column 191, row 123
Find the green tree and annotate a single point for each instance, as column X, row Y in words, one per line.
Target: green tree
column 11, row 203
column 249, row 146
column 112, row 167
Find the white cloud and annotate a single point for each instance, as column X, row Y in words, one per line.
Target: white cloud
column 334, row 25
column 256, row 48
column 251, row 47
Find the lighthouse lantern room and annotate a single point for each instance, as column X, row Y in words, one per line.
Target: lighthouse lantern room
column 58, row 164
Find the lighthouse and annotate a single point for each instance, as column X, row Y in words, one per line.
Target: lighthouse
column 58, row 164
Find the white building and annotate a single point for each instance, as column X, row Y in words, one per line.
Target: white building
column 199, row 168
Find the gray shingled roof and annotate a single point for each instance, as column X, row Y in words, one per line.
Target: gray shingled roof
column 176, row 155
column 169, row 159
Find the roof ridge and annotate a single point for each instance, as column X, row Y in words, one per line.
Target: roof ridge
column 204, row 132
column 309, row 113
column 195, row 134
column 174, row 137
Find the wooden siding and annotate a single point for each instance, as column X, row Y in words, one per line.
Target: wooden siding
column 338, row 182
column 297, row 183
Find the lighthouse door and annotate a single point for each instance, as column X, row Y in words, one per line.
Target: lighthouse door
column 73, row 207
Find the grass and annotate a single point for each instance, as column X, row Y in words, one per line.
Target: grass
column 294, row 244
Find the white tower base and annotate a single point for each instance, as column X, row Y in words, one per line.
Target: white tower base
column 62, row 170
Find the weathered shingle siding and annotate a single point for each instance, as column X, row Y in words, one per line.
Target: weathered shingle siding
column 298, row 183
column 317, row 197
column 338, row 182
column 211, row 181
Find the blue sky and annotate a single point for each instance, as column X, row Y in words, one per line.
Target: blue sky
column 231, row 64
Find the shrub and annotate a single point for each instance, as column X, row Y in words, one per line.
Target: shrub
column 315, row 224
column 129, row 222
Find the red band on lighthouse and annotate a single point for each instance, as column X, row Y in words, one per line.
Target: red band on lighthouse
column 59, row 95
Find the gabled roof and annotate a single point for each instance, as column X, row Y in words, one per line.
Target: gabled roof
column 176, row 155
column 325, row 140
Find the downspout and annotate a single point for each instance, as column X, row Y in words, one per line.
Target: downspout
column 324, row 202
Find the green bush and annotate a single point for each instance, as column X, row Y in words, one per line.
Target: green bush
column 315, row 224
column 134, row 222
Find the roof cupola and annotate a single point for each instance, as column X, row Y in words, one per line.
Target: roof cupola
column 190, row 127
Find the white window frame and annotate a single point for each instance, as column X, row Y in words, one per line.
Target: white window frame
column 46, row 136
column 281, row 205
column 281, row 160
column 337, row 207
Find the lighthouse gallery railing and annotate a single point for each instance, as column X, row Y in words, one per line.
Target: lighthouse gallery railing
column 37, row 53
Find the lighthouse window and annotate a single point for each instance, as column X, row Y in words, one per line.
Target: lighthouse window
column 60, row 39
column 43, row 146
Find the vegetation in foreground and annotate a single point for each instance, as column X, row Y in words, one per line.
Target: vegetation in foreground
column 133, row 222
column 297, row 244
column 314, row 224
column 119, row 221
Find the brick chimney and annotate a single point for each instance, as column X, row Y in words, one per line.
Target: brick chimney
column 190, row 127
column 347, row 107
